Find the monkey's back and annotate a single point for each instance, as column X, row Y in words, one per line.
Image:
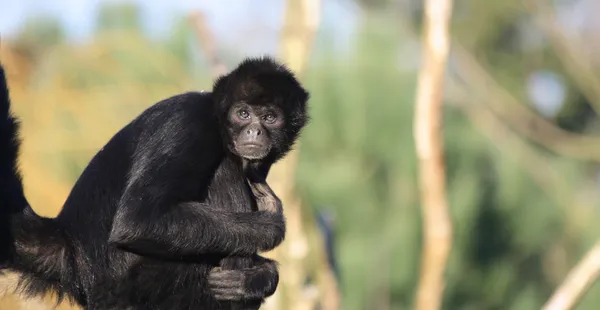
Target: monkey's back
column 90, row 208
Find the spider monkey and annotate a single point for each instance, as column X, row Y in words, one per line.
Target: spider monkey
column 171, row 212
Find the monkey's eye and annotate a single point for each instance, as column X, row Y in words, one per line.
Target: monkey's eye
column 270, row 118
column 243, row 114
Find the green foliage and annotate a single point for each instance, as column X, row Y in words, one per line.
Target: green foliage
column 358, row 162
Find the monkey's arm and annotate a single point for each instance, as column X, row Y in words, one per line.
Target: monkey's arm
column 154, row 218
column 191, row 229
column 260, row 280
column 266, row 200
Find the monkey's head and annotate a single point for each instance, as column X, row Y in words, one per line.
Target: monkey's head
column 262, row 109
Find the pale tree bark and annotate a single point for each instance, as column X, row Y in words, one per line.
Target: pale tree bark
column 302, row 254
column 437, row 226
column 579, row 279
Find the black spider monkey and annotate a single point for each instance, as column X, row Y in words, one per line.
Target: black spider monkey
column 171, row 212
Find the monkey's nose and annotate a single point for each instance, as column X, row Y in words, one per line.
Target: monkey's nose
column 254, row 132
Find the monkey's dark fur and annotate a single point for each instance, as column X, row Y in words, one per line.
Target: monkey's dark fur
column 161, row 205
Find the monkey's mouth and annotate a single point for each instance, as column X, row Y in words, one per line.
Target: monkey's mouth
column 252, row 151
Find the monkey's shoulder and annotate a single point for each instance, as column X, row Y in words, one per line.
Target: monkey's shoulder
column 189, row 109
column 185, row 102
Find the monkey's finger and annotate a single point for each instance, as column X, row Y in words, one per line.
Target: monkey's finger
column 260, row 189
column 225, row 289
column 225, row 285
column 228, row 291
column 228, row 294
column 228, row 298
column 232, row 277
column 225, row 297
column 222, row 282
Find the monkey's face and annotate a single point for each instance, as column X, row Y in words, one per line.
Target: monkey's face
column 255, row 130
column 262, row 108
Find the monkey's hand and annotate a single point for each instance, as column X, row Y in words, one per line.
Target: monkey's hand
column 256, row 174
column 255, row 283
column 266, row 200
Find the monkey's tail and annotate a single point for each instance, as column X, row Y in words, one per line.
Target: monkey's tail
column 30, row 245
column 12, row 198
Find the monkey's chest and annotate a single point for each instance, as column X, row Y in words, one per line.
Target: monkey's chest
column 229, row 190
column 236, row 199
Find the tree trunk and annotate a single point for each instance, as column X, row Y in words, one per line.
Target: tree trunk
column 437, row 233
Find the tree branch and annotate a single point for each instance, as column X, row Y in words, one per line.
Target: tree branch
column 579, row 279
column 427, row 130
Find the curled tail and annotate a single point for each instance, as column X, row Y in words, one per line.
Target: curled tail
column 30, row 245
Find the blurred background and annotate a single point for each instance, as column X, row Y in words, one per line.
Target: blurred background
column 521, row 130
